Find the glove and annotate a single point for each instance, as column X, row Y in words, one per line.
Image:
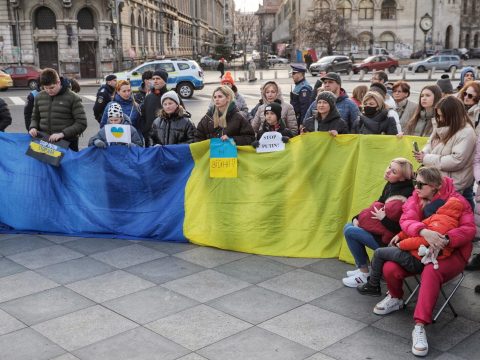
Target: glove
column 285, row 139
column 256, row 144
column 100, row 144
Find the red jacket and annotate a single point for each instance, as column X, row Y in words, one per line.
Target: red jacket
column 460, row 237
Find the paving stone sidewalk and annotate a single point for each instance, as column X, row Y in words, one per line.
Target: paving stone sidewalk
column 79, row 298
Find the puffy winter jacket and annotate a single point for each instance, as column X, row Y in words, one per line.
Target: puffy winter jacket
column 129, row 107
column 173, row 129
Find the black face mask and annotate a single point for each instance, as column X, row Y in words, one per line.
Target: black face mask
column 369, row 110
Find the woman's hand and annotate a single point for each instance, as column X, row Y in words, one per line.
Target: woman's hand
column 378, row 214
column 333, row 132
column 55, row 137
column 400, row 135
column 303, row 130
column 419, row 155
column 395, row 240
column 437, row 241
column 355, row 222
column 224, row 137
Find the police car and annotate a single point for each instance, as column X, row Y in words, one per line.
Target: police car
column 184, row 75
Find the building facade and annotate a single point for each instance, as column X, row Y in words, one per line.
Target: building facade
column 91, row 38
column 470, row 24
column 266, row 23
column 392, row 24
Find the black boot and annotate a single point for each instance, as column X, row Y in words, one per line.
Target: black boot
column 474, row 263
column 369, row 289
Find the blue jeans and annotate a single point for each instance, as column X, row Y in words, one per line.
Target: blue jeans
column 357, row 240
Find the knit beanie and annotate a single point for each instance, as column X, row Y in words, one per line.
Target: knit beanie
column 329, row 97
column 172, row 95
column 111, row 77
column 115, row 111
column 445, row 84
column 227, row 78
column 162, row 73
column 274, row 107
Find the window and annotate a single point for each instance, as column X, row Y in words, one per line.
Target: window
column 365, row 10
column 45, row 18
column 8, row 70
column 322, row 6
column 14, row 35
column 389, row 10
column 183, row 66
column 168, row 67
column 132, row 30
column 85, row 19
column 21, row 71
column 465, row 7
column 387, row 41
column 344, row 9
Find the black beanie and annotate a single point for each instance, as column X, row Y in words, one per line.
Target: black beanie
column 162, row 73
column 445, row 84
column 276, row 108
column 329, row 97
column 379, row 88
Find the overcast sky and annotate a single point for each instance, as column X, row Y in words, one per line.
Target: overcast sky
column 247, row 5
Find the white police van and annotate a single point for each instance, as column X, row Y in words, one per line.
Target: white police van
column 184, row 75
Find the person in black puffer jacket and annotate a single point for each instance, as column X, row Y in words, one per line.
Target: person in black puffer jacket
column 171, row 126
column 326, row 117
column 374, row 119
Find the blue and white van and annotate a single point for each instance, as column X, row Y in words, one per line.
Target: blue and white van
column 184, row 75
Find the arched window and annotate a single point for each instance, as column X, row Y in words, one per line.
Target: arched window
column 322, row 6
column 140, row 29
column 467, row 41
column 448, row 37
column 465, row 7
column 387, row 41
column 132, row 30
column 364, row 41
column 85, row 19
column 45, row 18
column 344, row 9
column 389, row 9
column 475, row 41
column 365, row 10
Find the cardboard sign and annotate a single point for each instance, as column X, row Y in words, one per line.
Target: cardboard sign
column 270, row 142
column 223, row 158
column 118, row 133
column 45, row 151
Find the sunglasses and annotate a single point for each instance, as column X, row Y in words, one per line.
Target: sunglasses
column 419, row 184
column 470, row 96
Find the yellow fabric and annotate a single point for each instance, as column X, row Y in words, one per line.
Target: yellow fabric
column 292, row 203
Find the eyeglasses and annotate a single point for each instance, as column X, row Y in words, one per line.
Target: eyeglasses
column 469, row 95
column 419, row 184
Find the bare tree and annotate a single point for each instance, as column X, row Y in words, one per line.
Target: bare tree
column 326, row 29
column 245, row 29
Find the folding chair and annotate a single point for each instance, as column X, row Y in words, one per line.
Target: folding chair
column 447, row 298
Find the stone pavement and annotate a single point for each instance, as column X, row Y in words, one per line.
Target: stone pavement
column 80, row 298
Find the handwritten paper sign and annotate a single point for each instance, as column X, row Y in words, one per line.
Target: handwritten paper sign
column 223, row 158
column 117, row 133
column 270, row 142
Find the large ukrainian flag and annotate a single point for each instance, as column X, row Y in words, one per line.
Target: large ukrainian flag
column 291, row 203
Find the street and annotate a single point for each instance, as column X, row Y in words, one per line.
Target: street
column 198, row 104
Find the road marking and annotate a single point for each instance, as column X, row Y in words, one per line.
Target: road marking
column 90, row 97
column 17, row 100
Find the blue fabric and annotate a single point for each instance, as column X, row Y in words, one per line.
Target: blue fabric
column 357, row 239
column 117, row 192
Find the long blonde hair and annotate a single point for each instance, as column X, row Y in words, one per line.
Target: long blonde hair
column 221, row 120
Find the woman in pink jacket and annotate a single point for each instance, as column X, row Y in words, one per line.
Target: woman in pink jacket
column 429, row 186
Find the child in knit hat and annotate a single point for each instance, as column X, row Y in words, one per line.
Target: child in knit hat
column 115, row 116
column 171, row 126
column 274, row 122
column 326, row 116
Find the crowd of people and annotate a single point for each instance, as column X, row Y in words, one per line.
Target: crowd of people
column 449, row 164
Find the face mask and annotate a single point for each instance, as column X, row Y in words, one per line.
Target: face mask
column 369, row 110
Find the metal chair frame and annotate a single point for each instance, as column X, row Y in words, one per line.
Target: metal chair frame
column 447, row 298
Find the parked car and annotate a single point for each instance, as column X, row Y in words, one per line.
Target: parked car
column 184, row 75
column 274, row 59
column 336, row 63
column 439, row 62
column 474, row 53
column 376, row 63
column 5, row 81
column 23, row 75
column 461, row 53
column 208, row 61
column 419, row 54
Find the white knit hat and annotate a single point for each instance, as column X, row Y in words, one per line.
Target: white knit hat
column 170, row 95
column 115, row 111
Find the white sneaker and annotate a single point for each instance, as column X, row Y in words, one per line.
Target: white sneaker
column 388, row 305
column 419, row 341
column 355, row 272
column 355, row 280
